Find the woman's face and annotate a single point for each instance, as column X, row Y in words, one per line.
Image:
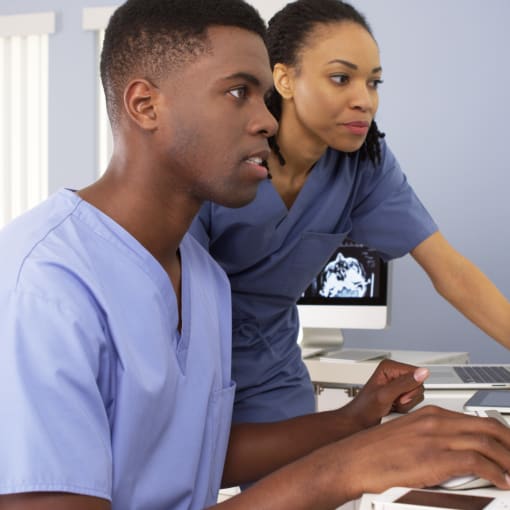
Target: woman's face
column 334, row 88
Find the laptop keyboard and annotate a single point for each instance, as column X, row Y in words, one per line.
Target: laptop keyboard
column 483, row 374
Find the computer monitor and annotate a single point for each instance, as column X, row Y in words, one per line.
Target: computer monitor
column 350, row 292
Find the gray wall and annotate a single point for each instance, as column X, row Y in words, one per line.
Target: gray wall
column 444, row 107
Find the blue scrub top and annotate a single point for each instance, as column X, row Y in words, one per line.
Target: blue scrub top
column 99, row 393
column 271, row 254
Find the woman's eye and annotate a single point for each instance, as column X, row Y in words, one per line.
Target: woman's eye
column 375, row 83
column 339, row 78
column 238, row 92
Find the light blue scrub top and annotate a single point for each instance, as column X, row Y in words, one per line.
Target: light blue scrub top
column 99, row 394
column 271, row 254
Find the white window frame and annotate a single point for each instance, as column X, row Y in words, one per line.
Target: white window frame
column 24, row 111
column 96, row 19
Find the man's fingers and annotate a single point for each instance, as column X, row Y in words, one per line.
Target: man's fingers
column 449, row 444
column 484, row 459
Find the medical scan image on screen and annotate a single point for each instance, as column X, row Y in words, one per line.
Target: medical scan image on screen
column 353, row 271
column 350, row 292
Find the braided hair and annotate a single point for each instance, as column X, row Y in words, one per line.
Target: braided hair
column 288, row 33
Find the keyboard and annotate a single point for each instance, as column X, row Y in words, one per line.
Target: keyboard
column 486, row 374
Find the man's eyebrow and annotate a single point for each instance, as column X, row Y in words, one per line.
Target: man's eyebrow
column 244, row 76
column 250, row 78
column 352, row 66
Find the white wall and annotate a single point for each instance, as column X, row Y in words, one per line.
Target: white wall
column 444, row 108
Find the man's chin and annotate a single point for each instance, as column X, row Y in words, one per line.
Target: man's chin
column 237, row 202
column 237, row 199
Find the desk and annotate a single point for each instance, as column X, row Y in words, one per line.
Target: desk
column 366, row 501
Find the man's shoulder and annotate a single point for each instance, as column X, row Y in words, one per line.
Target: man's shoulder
column 41, row 237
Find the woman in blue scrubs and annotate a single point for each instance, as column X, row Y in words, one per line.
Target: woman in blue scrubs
column 333, row 176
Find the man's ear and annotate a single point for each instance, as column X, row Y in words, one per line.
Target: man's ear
column 140, row 98
column 283, row 80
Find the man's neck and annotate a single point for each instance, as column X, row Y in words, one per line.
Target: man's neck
column 157, row 223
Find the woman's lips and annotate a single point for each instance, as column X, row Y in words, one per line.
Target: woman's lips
column 357, row 128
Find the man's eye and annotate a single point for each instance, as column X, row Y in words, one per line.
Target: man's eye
column 340, row 79
column 238, row 92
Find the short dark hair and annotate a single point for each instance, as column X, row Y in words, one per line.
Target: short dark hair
column 153, row 38
column 289, row 32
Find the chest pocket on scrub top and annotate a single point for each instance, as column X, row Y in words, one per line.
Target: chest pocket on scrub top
column 309, row 256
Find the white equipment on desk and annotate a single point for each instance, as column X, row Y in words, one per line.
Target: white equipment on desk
column 401, row 498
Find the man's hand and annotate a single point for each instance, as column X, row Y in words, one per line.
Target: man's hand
column 393, row 386
column 421, row 449
column 256, row 449
column 427, row 447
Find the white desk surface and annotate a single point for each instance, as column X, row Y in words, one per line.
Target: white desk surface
column 365, row 503
column 344, row 374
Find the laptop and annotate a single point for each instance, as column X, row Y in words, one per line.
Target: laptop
column 467, row 377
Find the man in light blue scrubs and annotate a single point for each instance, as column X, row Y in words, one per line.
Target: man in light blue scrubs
column 115, row 325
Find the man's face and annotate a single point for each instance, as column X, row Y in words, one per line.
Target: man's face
column 215, row 125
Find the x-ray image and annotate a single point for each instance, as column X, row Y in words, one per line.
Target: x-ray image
column 351, row 272
column 344, row 277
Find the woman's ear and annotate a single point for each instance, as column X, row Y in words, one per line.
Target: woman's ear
column 140, row 98
column 283, row 82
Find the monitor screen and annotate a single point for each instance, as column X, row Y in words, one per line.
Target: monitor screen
column 350, row 292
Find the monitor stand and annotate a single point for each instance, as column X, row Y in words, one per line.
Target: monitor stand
column 322, row 338
column 328, row 344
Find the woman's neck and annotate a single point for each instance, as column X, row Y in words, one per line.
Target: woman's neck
column 300, row 148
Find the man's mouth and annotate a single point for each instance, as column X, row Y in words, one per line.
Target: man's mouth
column 255, row 160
